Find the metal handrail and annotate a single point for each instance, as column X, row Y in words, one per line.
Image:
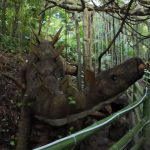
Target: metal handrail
column 79, row 136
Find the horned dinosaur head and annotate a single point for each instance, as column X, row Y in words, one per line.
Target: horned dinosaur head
column 46, row 48
column 115, row 80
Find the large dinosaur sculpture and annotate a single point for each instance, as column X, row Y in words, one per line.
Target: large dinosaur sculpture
column 48, row 99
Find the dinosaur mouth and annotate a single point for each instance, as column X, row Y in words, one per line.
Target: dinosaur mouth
column 141, row 67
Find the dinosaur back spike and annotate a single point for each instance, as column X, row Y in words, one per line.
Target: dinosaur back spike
column 36, row 37
column 56, row 37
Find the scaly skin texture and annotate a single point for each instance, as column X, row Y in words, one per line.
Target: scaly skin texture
column 44, row 95
column 108, row 84
column 117, row 79
column 49, row 99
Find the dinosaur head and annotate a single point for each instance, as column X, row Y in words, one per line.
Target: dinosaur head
column 115, row 80
column 46, row 49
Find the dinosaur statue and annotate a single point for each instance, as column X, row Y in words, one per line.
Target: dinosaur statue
column 48, row 97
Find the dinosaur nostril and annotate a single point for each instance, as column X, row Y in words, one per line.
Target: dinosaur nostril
column 141, row 67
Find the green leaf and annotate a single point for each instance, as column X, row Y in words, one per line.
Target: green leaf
column 71, row 100
column 12, row 143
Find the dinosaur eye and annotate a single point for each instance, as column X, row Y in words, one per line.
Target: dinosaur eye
column 114, row 77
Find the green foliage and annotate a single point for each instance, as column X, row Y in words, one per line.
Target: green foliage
column 143, row 29
column 71, row 100
column 18, row 40
column 18, row 24
column 18, row 29
column 9, row 44
column 130, row 52
column 13, row 45
column 71, row 130
column 12, row 142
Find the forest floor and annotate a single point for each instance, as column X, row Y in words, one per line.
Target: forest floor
column 10, row 102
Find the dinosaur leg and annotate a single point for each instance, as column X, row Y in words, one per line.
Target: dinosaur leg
column 24, row 129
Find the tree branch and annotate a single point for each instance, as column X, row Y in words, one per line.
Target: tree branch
column 117, row 34
column 83, row 4
column 104, row 8
column 74, row 117
column 68, row 7
column 19, row 84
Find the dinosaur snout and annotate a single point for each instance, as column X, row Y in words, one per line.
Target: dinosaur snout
column 141, row 67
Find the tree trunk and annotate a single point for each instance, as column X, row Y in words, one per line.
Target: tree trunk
column 79, row 54
column 16, row 18
column 3, row 17
column 87, row 39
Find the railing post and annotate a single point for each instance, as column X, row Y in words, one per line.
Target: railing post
column 133, row 114
column 146, row 115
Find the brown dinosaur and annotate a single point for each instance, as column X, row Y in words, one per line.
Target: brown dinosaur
column 107, row 84
column 47, row 99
